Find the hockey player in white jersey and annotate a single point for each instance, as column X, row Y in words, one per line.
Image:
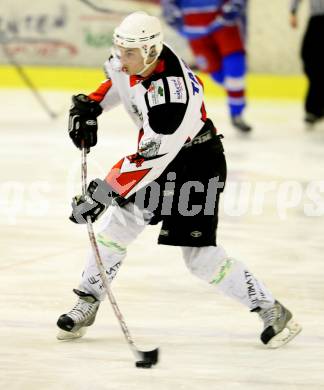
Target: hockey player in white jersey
column 175, row 177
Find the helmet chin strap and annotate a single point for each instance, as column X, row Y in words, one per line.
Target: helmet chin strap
column 143, row 69
column 117, row 64
column 146, row 66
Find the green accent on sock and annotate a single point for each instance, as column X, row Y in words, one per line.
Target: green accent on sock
column 111, row 244
column 223, row 271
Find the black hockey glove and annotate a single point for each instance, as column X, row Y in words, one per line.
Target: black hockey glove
column 83, row 124
column 98, row 197
column 232, row 11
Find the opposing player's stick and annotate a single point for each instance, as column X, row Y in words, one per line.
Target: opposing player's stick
column 145, row 359
column 23, row 75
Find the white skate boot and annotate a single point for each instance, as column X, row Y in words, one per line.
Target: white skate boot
column 73, row 324
column 279, row 326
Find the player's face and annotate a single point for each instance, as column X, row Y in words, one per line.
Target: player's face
column 131, row 60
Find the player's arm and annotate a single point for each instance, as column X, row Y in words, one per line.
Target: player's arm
column 160, row 143
column 231, row 10
column 163, row 136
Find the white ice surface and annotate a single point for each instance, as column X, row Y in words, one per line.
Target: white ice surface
column 206, row 340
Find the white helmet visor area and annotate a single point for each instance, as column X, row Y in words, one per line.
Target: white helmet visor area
column 142, row 31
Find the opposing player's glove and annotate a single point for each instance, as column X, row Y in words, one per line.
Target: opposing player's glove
column 231, row 11
column 98, row 197
column 83, row 124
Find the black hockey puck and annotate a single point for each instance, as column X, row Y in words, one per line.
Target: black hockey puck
column 143, row 364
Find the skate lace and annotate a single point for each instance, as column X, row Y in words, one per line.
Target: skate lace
column 269, row 316
column 82, row 310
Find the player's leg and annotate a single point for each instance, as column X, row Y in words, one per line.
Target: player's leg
column 207, row 57
column 313, row 66
column 197, row 237
column 218, row 76
column 313, row 102
column 233, row 65
column 234, row 82
column 119, row 227
column 209, row 261
column 232, row 278
column 212, row 264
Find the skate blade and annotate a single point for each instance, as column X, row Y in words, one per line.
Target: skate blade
column 291, row 331
column 64, row 335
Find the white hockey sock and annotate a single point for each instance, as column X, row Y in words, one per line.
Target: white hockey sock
column 230, row 276
column 235, row 281
column 118, row 228
column 112, row 254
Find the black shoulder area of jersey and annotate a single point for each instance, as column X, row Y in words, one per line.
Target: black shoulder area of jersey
column 167, row 117
column 172, row 67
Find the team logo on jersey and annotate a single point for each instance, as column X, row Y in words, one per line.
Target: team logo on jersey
column 149, row 147
column 136, row 159
column 156, row 93
column 178, row 93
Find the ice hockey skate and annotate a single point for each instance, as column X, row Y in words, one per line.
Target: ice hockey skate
column 73, row 324
column 239, row 123
column 279, row 326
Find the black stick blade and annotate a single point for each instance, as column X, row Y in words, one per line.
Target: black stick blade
column 147, row 358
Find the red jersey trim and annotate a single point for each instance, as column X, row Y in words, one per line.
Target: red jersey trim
column 135, row 79
column 124, row 182
column 200, row 19
column 99, row 94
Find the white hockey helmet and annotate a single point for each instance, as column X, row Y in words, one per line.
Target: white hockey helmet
column 142, row 31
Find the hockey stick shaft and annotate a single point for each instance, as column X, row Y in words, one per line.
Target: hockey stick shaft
column 28, row 82
column 113, row 10
column 101, row 268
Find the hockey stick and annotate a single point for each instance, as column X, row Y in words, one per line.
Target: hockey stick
column 96, row 7
column 145, row 359
column 118, row 9
column 21, row 72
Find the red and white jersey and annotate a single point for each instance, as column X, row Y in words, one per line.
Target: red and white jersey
column 168, row 110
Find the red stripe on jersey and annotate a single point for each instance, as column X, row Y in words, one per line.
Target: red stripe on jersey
column 135, row 79
column 236, row 94
column 203, row 113
column 119, row 164
column 99, row 94
column 140, row 135
column 123, row 183
column 200, row 19
column 200, row 81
